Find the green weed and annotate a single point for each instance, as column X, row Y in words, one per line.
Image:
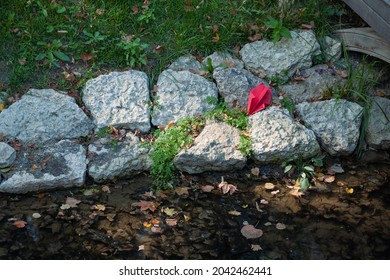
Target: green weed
column 134, row 51
column 279, row 31
column 52, row 53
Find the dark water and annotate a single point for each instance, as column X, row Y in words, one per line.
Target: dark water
column 325, row 223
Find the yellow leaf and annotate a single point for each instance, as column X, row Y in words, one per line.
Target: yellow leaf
column 2, row 106
column 186, row 218
column 169, row 211
column 349, row 190
column 244, row 206
column 148, row 225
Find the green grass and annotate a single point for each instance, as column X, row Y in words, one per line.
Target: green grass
column 43, row 39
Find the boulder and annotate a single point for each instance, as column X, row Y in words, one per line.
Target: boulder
column 117, row 160
column 186, row 62
column 222, row 60
column 235, row 84
column 182, row 94
column 333, row 49
column 378, row 129
column 215, row 149
column 316, row 81
column 7, row 155
column 120, row 99
column 59, row 165
column 283, row 58
column 276, row 137
column 44, row 115
column 336, row 124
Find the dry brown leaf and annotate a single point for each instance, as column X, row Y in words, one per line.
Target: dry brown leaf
column 329, row 179
column 72, row 202
column 256, row 247
column 255, row 171
column 207, row 188
column 296, row 193
column 234, row 213
column 255, row 37
column 171, row 222
column 146, row 205
column 182, row 191
column 111, row 217
column 264, row 201
column 269, row 186
column 106, row 189
column 227, row 188
column 155, row 229
column 250, row 232
column 99, row 207
column 20, row 224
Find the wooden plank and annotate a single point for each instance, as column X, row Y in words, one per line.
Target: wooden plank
column 375, row 12
column 365, row 40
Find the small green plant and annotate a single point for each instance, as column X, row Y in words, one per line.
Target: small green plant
column 278, row 30
column 52, row 52
column 93, row 38
column 146, row 16
column 167, row 144
column 245, row 145
column 303, row 169
column 287, row 103
column 134, row 50
column 235, row 117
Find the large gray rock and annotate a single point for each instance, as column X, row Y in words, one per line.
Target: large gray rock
column 215, row 149
column 59, row 165
column 333, row 49
column 276, row 137
column 378, row 129
column 222, row 60
column 7, row 155
column 283, row 58
column 182, row 94
column 123, row 160
column 120, row 99
column 336, row 124
column 317, row 80
column 186, row 62
column 44, row 115
column 235, row 84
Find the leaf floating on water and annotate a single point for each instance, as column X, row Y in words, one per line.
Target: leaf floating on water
column 234, row 213
column 65, row 206
column 256, row 247
column 329, row 179
column 171, row 222
column 182, row 191
column 72, row 202
column 36, row 215
column 269, row 186
column 296, row 193
column 20, row 224
column 146, row 205
column 99, row 207
column 169, row 211
column 255, row 171
column 280, row 226
column 225, row 187
column 250, row 232
column 207, row 188
column 349, row 190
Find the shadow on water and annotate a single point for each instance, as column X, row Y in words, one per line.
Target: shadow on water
column 128, row 220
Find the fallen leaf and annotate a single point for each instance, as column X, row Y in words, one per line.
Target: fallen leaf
column 349, row 190
column 306, row 26
column 342, row 73
column 186, row 218
column 135, row 9
column 264, row 201
column 155, row 221
column 250, row 232
column 269, row 186
column 141, row 247
column 20, row 224
column 36, row 215
column 171, row 222
column 146, row 205
column 2, row 106
column 182, row 191
column 99, row 207
column 155, row 229
column 111, row 217
column 65, row 207
column 256, row 247
column 227, row 188
column 234, row 213
column 215, row 38
column 106, row 189
column 149, row 194
column 245, row 206
column 86, row 56
column 255, row 171
column 275, row 192
column 34, row 166
column 280, row 226
column 340, row 184
column 169, row 211
column 159, row 48
column 207, row 188
column 72, row 202
column 329, row 179
column 147, row 224
column 255, row 37
column 296, row 193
